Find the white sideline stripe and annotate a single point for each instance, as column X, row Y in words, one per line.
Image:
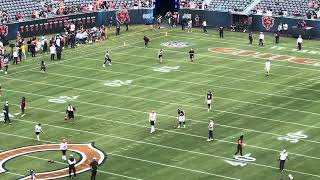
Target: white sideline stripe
column 187, row 82
column 137, row 159
column 206, row 74
column 93, row 104
column 134, row 97
column 176, row 167
column 166, row 147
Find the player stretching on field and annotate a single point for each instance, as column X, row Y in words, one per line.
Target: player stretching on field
column 107, row 59
column 267, row 67
column 160, row 55
column 240, row 145
column 191, row 54
column 209, row 99
column 181, row 118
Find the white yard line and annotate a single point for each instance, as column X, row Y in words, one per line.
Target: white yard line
column 165, row 102
column 167, row 147
column 179, row 81
column 125, row 109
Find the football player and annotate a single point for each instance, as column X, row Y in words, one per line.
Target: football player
column 160, row 55
column 209, row 99
column 191, row 54
column 107, row 59
column 43, row 67
column 181, row 118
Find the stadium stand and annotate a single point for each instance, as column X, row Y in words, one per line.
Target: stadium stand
column 195, row 4
column 19, row 10
column 305, row 8
column 229, row 5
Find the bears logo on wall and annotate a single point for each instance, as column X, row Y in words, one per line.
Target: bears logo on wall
column 4, row 29
column 122, row 16
column 267, row 22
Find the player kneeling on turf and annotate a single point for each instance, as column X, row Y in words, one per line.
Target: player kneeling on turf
column 107, row 59
column 267, row 67
column 181, row 118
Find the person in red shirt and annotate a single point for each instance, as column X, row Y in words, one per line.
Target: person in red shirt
column 23, row 106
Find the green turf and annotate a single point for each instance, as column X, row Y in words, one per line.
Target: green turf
column 116, row 118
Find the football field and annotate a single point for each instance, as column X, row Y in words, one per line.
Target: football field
column 113, row 104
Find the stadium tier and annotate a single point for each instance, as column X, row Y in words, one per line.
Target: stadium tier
column 229, row 5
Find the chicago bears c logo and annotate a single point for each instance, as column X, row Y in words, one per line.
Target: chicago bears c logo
column 267, row 22
column 4, row 29
column 122, row 16
column 86, row 151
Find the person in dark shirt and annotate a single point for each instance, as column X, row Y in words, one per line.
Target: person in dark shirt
column 277, row 37
column 146, row 41
column 94, row 168
column 240, row 144
column 43, row 67
column 221, row 31
column 118, row 29
column 59, row 52
column 209, row 98
column 23, row 106
column 6, row 113
column 191, row 54
column 250, row 38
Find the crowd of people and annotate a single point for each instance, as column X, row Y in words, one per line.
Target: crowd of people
column 193, row 5
column 4, row 17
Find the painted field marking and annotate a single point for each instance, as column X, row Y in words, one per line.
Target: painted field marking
column 163, row 146
column 293, row 137
column 241, row 160
column 164, row 69
column 147, row 161
column 63, row 99
column 220, row 140
column 118, row 83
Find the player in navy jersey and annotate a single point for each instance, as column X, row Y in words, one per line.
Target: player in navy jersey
column 209, row 99
column 191, row 54
column 43, row 67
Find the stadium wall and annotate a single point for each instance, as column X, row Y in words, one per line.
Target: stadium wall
column 56, row 25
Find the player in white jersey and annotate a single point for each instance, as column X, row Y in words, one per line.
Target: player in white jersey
column 38, row 130
column 152, row 120
column 64, row 148
column 267, row 67
column 290, row 177
column 181, row 118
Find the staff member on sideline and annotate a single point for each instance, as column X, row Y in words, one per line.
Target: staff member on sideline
column 299, row 42
column 72, row 162
column 6, row 113
column 94, row 168
column 261, row 39
column 282, row 158
column 204, row 25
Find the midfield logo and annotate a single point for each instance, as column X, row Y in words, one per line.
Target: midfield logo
column 86, row 151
